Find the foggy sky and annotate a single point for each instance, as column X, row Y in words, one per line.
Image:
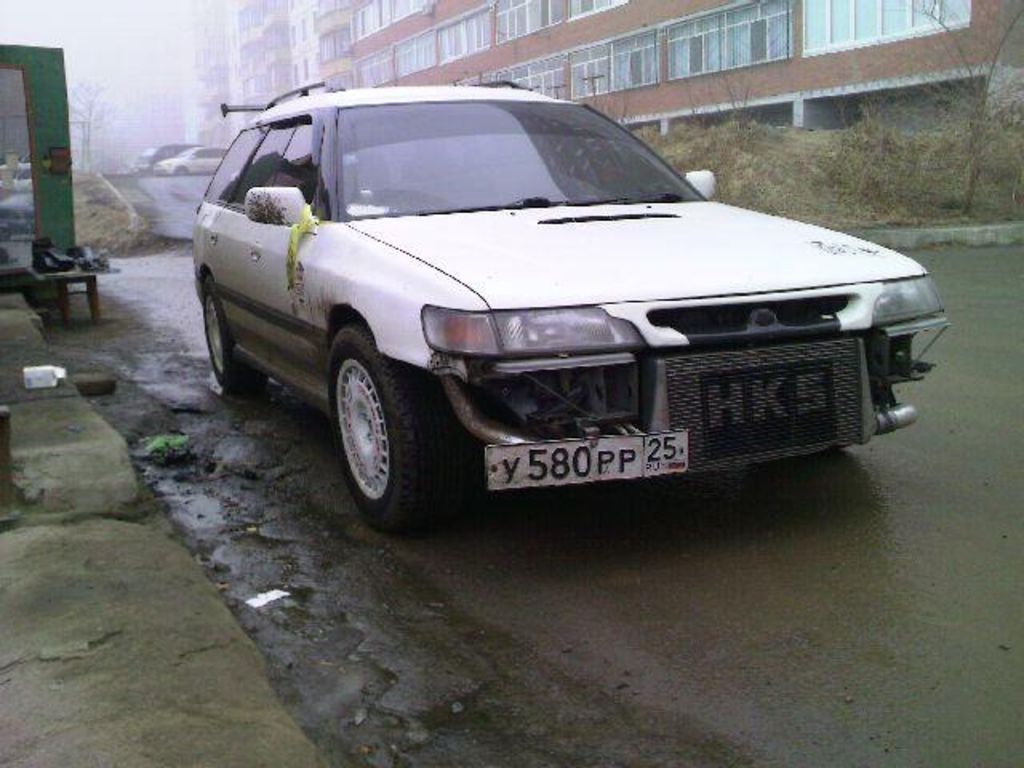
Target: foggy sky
column 130, row 46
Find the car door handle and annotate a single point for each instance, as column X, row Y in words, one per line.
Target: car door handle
column 214, row 238
column 255, row 255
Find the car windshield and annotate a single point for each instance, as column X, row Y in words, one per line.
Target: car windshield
column 419, row 159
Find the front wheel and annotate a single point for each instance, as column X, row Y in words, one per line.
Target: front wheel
column 406, row 461
column 234, row 377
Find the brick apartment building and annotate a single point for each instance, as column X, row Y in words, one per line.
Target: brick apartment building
column 651, row 61
column 253, row 50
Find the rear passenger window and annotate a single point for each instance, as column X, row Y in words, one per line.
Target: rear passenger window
column 265, row 163
column 230, row 169
column 297, row 169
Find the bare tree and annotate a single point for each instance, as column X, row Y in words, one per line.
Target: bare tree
column 979, row 60
column 91, row 111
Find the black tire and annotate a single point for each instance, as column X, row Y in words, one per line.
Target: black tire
column 430, row 456
column 234, row 377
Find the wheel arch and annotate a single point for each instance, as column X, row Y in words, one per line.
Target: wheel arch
column 342, row 315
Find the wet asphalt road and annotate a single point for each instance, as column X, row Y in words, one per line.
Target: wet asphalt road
column 845, row 610
column 168, row 203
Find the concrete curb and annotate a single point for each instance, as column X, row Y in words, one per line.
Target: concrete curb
column 911, row 238
column 135, row 221
column 114, row 645
column 67, row 461
column 116, row 650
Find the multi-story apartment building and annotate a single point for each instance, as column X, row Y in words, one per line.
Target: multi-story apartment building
column 213, row 70
column 650, row 61
column 334, row 37
column 253, row 50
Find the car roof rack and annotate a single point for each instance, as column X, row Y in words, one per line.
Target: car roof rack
column 504, row 84
column 226, row 109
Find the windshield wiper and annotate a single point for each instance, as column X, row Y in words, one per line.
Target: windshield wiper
column 517, row 205
column 665, row 197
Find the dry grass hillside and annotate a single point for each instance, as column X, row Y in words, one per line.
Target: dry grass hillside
column 870, row 175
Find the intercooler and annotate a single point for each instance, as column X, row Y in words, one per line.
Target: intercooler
column 763, row 403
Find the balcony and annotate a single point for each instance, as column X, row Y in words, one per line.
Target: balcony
column 328, row 21
column 335, row 67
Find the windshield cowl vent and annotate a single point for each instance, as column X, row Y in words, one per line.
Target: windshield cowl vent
column 607, row 217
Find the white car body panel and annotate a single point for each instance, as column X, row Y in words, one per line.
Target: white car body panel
column 340, row 267
column 710, row 250
column 362, row 97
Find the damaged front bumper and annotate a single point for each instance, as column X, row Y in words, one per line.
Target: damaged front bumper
column 720, row 407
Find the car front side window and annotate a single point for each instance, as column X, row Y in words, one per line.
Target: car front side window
column 265, row 163
column 226, row 177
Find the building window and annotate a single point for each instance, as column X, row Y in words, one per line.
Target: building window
column 416, row 54
column 547, row 76
column 635, row 62
column 375, row 70
column 584, row 7
column 335, row 45
column 371, row 17
column 465, row 38
column 402, row 8
column 837, row 24
column 250, row 16
column 590, row 71
column 628, row 63
column 378, row 14
column 515, row 18
column 751, row 35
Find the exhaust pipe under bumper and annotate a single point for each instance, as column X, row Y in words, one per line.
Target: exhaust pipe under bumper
column 480, row 426
column 897, row 417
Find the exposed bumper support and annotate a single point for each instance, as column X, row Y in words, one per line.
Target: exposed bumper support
column 897, row 417
column 480, row 426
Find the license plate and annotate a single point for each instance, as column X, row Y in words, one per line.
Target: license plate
column 572, row 462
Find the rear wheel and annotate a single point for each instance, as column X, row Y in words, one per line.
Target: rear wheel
column 405, row 459
column 234, row 377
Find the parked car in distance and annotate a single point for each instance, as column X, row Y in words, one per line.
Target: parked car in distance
column 16, row 179
column 508, row 290
column 197, row 160
column 147, row 159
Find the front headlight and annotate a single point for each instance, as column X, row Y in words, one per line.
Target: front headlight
column 527, row 332
column 906, row 300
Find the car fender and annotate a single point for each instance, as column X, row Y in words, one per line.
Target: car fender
column 386, row 286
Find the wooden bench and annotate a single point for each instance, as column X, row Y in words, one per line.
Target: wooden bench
column 63, row 280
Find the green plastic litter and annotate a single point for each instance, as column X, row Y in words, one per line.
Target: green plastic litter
column 167, row 449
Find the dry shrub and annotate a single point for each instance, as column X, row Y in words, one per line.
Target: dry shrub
column 773, row 170
column 871, row 174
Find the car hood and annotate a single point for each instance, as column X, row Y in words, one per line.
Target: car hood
column 569, row 256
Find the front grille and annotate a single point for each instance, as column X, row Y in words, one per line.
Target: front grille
column 713, row 323
column 766, row 403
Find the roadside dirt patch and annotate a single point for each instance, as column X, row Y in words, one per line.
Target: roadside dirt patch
column 104, row 221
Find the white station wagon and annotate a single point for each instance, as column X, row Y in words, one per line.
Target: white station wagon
column 500, row 288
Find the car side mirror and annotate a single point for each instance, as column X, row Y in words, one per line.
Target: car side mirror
column 704, row 182
column 281, row 206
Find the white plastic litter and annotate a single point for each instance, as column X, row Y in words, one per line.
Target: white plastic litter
column 266, row 597
column 43, row 376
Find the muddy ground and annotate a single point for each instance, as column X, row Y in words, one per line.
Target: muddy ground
column 854, row 609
